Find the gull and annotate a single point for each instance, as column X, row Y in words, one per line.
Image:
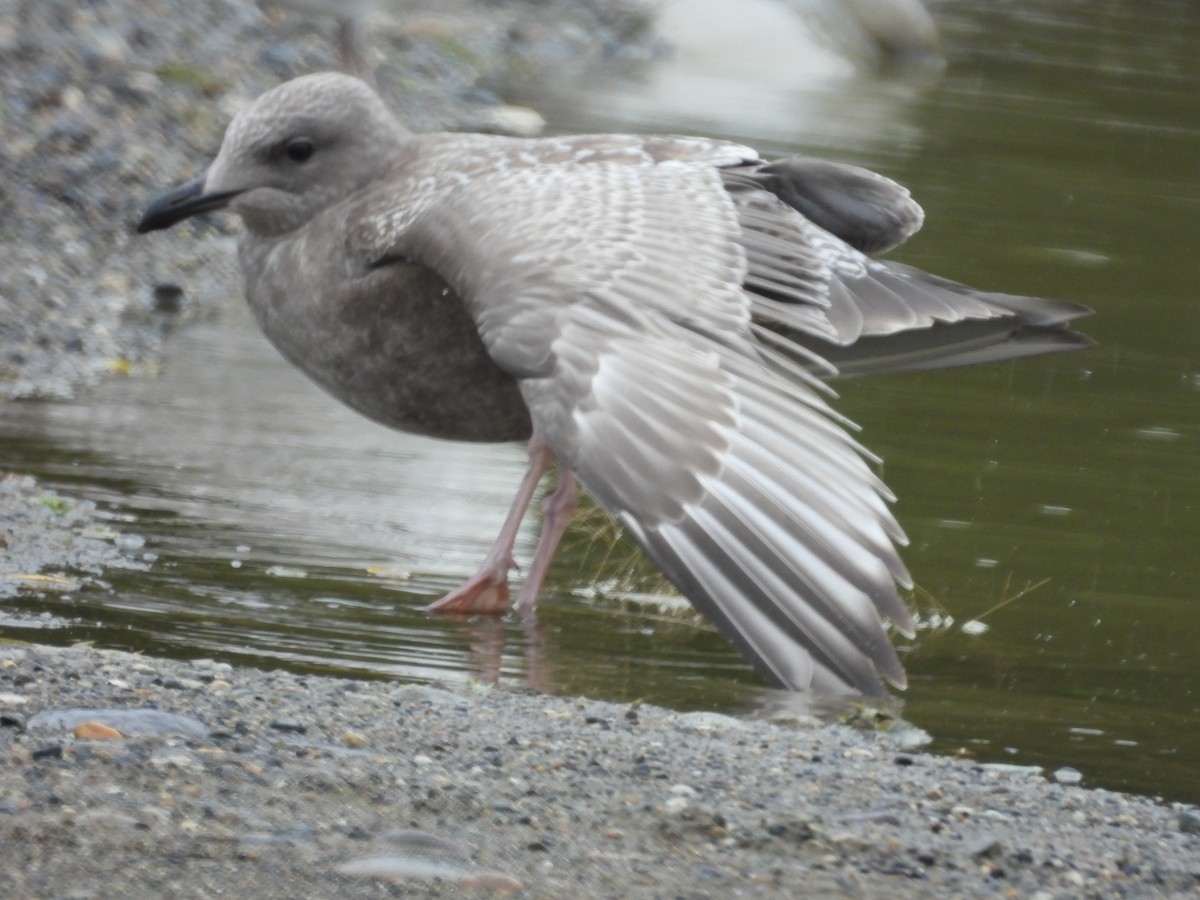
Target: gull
column 659, row 314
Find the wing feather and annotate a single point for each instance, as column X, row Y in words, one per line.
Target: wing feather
column 650, row 312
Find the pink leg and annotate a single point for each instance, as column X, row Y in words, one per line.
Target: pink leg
column 487, row 590
column 557, row 510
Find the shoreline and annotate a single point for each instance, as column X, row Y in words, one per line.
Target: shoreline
column 283, row 783
column 288, row 784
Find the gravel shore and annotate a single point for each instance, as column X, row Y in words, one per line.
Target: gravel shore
column 278, row 785
column 269, row 784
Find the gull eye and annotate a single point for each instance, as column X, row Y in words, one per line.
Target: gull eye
column 299, row 149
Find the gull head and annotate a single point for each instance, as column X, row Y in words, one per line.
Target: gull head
column 294, row 151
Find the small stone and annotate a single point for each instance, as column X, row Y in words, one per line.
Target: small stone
column 708, row 722
column 95, row 731
column 289, row 725
column 107, row 47
column 354, row 739
column 520, row 121
column 143, row 84
column 496, row 882
column 168, row 298
column 72, row 98
column 53, row 751
column 1067, row 775
column 675, row 805
column 113, row 281
column 1189, row 821
column 130, row 542
column 180, row 760
column 989, row 848
column 400, row 868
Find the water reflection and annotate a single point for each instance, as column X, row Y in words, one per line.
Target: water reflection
column 780, row 72
column 231, row 437
column 286, row 529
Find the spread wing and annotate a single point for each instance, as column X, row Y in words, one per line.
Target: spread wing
column 614, row 293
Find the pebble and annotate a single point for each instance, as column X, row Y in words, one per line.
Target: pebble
column 708, row 722
column 520, row 121
column 95, row 731
column 402, row 868
column 496, row 882
column 1189, row 821
column 987, row 848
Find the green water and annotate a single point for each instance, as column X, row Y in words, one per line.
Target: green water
column 1057, row 154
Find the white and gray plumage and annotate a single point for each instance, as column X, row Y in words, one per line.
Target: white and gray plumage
column 655, row 312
